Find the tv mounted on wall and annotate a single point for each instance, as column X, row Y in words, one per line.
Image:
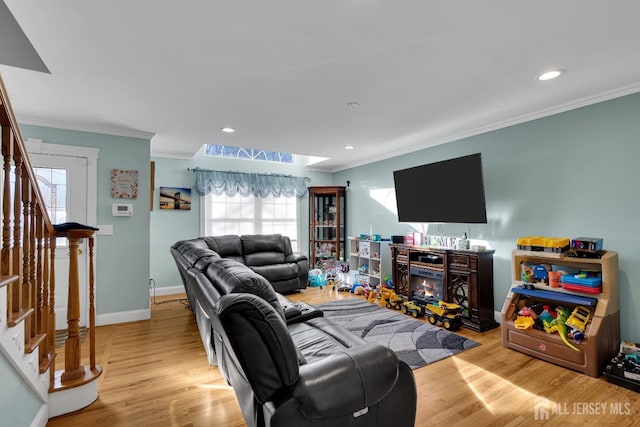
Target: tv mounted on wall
column 450, row 191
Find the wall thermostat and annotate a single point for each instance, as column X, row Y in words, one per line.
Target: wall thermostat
column 122, row 209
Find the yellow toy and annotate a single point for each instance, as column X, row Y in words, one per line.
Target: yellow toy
column 373, row 296
column 446, row 312
column 389, row 299
column 578, row 322
column 412, row 308
column 579, row 318
column 524, row 322
column 558, row 325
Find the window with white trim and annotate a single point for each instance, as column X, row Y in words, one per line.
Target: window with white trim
column 232, row 152
column 240, row 215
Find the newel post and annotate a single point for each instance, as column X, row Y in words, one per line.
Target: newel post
column 73, row 369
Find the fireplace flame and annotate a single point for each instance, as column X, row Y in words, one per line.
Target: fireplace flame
column 427, row 290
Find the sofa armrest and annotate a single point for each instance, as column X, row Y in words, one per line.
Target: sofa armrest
column 295, row 258
column 346, row 382
column 303, row 267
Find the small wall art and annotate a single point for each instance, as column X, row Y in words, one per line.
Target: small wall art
column 124, row 184
column 175, row 198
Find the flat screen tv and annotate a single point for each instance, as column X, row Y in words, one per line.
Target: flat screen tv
column 450, row 191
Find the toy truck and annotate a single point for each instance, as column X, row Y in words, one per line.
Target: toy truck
column 578, row 322
column 410, row 307
column 447, row 313
column 389, row 299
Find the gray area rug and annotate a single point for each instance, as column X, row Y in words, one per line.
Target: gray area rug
column 415, row 342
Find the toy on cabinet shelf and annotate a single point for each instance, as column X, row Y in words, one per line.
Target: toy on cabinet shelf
column 547, row 315
column 365, row 248
column 541, row 273
column 526, row 272
column 578, row 322
column 368, row 255
column 558, row 325
column 528, row 312
column 526, row 318
column 524, row 322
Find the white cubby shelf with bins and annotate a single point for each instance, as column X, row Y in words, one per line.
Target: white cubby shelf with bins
column 368, row 259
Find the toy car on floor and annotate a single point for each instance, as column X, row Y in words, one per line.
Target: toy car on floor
column 447, row 313
column 389, row 299
column 410, row 307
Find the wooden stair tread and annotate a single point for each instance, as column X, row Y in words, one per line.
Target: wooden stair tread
column 34, row 342
column 47, row 362
column 6, row 280
column 87, row 376
column 19, row 316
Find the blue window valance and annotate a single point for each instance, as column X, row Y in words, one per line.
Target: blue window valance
column 245, row 184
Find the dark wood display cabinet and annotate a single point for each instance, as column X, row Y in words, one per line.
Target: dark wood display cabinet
column 327, row 213
column 464, row 277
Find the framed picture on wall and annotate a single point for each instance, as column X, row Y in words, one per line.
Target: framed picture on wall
column 124, row 184
column 153, row 182
column 175, row 198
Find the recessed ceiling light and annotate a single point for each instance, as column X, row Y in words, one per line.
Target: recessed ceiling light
column 549, row 75
column 352, row 105
column 349, row 147
column 227, row 130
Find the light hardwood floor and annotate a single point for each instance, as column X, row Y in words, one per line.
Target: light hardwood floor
column 156, row 374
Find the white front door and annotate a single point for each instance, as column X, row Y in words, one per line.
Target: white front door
column 63, row 184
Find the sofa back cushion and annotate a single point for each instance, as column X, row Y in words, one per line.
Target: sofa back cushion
column 263, row 249
column 229, row 246
column 258, row 344
column 287, row 246
column 231, row 277
column 196, row 253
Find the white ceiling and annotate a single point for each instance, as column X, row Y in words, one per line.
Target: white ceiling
column 281, row 72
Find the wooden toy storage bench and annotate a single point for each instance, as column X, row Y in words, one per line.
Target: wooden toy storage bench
column 602, row 335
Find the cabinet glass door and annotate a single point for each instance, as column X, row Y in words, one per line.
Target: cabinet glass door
column 326, row 225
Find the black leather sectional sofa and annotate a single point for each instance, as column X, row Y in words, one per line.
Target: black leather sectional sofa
column 288, row 365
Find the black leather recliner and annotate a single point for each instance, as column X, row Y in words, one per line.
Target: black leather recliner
column 348, row 383
column 287, row 366
column 195, row 256
column 269, row 255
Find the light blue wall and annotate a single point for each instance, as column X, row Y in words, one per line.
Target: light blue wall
column 169, row 226
column 18, row 404
column 573, row 174
column 122, row 259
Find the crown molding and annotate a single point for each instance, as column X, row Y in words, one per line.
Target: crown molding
column 546, row 112
column 93, row 128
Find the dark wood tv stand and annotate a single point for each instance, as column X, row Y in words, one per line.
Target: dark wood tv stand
column 466, row 275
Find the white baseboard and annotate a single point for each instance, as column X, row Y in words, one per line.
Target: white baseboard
column 42, row 417
column 73, row 399
column 123, row 317
column 497, row 315
column 135, row 315
column 166, row 290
